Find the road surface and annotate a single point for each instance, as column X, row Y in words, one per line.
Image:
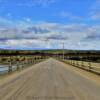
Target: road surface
column 50, row 80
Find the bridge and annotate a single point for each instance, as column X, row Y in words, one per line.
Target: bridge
column 49, row 78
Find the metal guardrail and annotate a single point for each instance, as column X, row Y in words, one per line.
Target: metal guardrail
column 19, row 65
column 89, row 66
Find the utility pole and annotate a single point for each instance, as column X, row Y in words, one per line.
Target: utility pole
column 63, row 50
column 46, row 41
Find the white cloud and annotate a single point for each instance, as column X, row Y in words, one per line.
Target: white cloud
column 95, row 16
column 25, row 34
column 95, row 10
column 31, row 3
column 28, row 3
column 65, row 14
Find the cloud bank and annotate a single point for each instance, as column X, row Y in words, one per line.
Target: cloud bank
column 27, row 35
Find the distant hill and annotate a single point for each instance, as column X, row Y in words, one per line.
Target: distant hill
column 4, row 51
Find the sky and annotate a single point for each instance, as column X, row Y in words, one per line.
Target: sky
column 47, row 24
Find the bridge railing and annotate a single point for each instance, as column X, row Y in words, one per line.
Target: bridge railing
column 90, row 66
column 16, row 63
column 86, row 65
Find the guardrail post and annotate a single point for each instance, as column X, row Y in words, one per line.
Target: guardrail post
column 82, row 63
column 89, row 65
column 77, row 64
column 17, row 63
column 10, row 66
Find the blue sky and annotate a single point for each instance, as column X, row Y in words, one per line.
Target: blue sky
column 35, row 24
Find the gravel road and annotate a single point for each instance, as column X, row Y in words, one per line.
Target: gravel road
column 50, row 80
